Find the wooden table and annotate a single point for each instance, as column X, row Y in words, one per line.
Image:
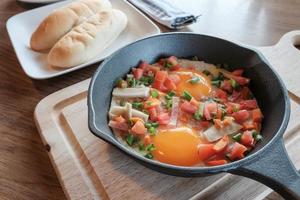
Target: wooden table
column 25, row 169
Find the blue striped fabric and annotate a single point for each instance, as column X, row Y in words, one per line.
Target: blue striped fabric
column 165, row 13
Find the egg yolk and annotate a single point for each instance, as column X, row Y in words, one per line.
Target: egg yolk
column 177, row 146
column 201, row 88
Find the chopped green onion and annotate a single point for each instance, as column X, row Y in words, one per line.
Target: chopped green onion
column 194, row 80
column 227, row 67
column 234, row 84
column 167, row 64
column 258, row 137
column 237, row 137
column 131, row 82
column 171, row 94
column 137, row 105
column 217, row 100
column 155, row 124
column 195, row 58
column 221, row 77
column 206, row 72
column 148, row 125
column 154, row 93
column 216, row 83
column 169, row 104
column 141, row 147
column 186, row 95
column 149, row 155
column 150, row 147
column 197, row 115
column 130, row 139
column 152, row 130
column 146, row 80
column 167, row 97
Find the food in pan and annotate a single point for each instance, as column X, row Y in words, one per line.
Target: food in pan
column 86, row 40
column 186, row 112
column 62, row 20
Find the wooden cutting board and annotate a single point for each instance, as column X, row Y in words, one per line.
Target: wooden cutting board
column 89, row 168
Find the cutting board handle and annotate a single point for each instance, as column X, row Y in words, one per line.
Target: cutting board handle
column 290, row 40
column 285, row 58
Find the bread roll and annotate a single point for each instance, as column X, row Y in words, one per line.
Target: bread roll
column 88, row 39
column 62, row 20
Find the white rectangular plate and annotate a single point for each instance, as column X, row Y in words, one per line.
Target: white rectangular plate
column 21, row 26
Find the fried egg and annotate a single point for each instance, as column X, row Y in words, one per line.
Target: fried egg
column 198, row 89
column 178, row 146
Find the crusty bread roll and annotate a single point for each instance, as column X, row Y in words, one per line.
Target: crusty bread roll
column 88, row 39
column 62, row 20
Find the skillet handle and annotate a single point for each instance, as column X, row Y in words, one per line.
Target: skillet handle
column 275, row 170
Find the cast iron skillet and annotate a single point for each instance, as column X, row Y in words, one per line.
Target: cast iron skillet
column 268, row 163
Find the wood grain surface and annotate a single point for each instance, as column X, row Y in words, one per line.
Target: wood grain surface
column 99, row 171
column 25, row 169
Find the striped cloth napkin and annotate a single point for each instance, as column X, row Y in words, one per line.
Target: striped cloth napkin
column 165, row 13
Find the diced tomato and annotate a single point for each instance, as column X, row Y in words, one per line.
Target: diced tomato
column 235, row 96
column 120, row 119
column 123, row 126
column 159, row 80
column 237, row 151
column 175, row 68
column 172, row 60
column 138, row 128
column 161, row 61
column 218, row 123
column 137, row 73
column 135, row 119
column 229, row 108
column 204, row 124
column 216, row 162
column 247, row 138
column 151, row 102
column 248, row 104
column 241, row 80
column 219, row 93
column 143, row 65
column 210, row 109
column 184, row 117
column 221, row 144
column 241, row 116
column 152, row 113
column 205, row 151
column 163, row 118
column 188, row 107
column 257, row 115
column 226, row 85
column 249, row 125
column 219, row 113
column 238, row 72
column 169, row 84
column 147, row 140
column 232, row 107
column 245, row 93
column 194, row 102
column 227, row 121
column 151, row 70
column 175, row 78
